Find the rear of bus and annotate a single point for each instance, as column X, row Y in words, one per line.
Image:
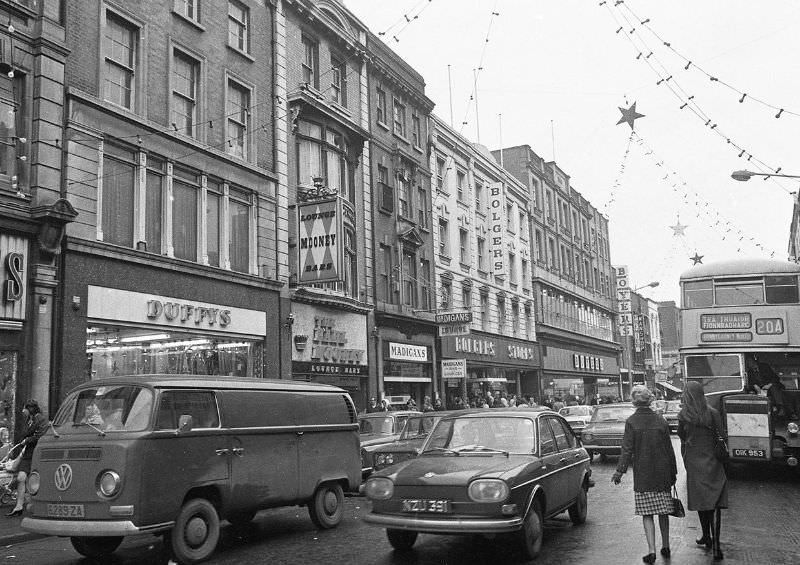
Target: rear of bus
column 740, row 323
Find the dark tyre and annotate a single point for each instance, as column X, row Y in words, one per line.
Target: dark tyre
column 577, row 512
column 241, row 519
column 196, row 531
column 590, row 453
column 401, row 540
column 7, row 498
column 530, row 536
column 95, row 547
column 327, row 506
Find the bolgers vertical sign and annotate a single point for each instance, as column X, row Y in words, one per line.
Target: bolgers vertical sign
column 319, row 244
column 497, row 225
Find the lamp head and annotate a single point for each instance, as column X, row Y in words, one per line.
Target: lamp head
column 742, row 176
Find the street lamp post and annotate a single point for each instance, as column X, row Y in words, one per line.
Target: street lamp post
column 746, row 175
column 629, row 340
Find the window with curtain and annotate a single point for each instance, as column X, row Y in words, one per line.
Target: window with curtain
column 238, row 115
column 154, row 205
column 309, row 153
column 185, row 198
column 213, row 221
column 185, row 76
column 119, row 53
column 322, row 152
column 118, row 197
column 239, row 230
column 188, row 8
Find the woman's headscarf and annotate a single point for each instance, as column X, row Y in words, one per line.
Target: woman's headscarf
column 694, row 408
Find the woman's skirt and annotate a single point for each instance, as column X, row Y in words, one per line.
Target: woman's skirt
column 649, row 503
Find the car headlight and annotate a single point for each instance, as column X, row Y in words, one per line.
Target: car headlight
column 488, row 490
column 384, row 459
column 108, row 483
column 34, row 481
column 379, row 488
column 793, row 428
column 587, row 437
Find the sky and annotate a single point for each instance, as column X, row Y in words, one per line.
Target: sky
column 553, row 74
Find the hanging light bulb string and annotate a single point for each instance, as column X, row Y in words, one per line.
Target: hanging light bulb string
column 405, row 20
column 690, row 65
column 617, row 181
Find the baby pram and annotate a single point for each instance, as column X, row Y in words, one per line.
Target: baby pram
column 8, row 481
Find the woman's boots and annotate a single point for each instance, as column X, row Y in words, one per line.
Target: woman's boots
column 705, row 523
column 716, row 533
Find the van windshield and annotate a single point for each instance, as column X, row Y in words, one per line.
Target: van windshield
column 108, row 408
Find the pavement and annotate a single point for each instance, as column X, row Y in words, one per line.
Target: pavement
column 11, row 531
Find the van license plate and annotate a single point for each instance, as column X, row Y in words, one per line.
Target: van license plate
column 421, row 505
column 65, row 511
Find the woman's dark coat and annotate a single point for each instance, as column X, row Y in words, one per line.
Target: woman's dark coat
column 36, row 426
column 647, row 445
column 706, row 483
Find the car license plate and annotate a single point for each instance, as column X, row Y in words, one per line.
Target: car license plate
column 419, row 505
column 751, row 453
column 65, row 511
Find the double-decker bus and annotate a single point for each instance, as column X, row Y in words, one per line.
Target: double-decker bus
column 740, row 323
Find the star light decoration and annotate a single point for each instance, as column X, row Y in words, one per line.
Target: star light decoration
column 697, row 259
column 629, row 115
column 678, row 228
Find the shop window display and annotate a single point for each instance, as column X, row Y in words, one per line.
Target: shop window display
column 114, row 351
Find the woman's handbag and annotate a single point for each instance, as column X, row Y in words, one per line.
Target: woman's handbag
column 11, row 465
column 720, row 445
column 677, row 505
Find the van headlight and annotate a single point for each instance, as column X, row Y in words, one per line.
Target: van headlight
column 793, row 428
column 34, row 481
column 108, row 483
column 379, row 488
column 488, row 490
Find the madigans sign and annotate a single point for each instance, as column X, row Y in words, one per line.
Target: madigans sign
column 407, row 352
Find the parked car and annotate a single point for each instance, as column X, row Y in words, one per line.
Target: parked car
column 378, row 428
column 412, row 437
column 603, row 434
column 486, row 472
column 577, row 416
column 671, row 414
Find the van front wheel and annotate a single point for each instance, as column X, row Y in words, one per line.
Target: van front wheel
column 95, row 547
column 326, row 507
column 196, row 531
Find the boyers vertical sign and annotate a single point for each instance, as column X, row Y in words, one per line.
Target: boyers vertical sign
column 497, row 225
column 319, row 244
column 624, row 316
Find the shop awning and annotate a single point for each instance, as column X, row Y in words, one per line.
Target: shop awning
column 407, row 379
column 669, row 386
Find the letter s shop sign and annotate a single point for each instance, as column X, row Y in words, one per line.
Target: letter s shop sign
column 13, row 276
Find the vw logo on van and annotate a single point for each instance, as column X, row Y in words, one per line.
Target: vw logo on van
column 63, row 477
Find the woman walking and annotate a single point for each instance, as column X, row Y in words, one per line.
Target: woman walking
column 706, row 483
column 36, row 425
column 646, row 444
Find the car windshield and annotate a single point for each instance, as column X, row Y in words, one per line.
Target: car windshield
column 612, row 413
column 575, row 411
column 123, row 408
column 504, row 434
column 419, row 427
column 376, row 425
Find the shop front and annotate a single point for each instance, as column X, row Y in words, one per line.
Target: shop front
column 581, row 374
column 407, row 373
column 329, row 346
column 495, row 365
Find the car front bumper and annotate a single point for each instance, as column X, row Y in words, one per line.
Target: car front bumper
column 446, row 525
column 94, row 528
column 603, row 449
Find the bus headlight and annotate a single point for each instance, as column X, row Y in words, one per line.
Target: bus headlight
column 34, row 481
column 793, row 428
column 488, row 490
column 379, row 488
column 109, row 483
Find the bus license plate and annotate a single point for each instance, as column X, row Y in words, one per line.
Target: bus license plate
column 750, row 453
column 423, row 505
column 65, row 511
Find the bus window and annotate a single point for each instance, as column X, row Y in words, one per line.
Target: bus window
column 739, row 293
column 697, row 294
column 715, row 372
column 781, row 290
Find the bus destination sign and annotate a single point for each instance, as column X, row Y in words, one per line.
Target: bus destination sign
column 715, row 337
column 735, row 321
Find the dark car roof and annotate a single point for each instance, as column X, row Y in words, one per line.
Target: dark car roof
column 485, row 412
column 211, row 382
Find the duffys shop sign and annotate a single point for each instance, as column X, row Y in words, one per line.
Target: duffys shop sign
column 481, row 348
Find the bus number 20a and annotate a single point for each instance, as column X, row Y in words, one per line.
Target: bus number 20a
column 769, row 326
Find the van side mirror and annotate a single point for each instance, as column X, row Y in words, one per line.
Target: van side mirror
column 185, row 423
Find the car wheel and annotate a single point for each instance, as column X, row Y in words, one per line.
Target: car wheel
column 327, row 506
column 196, row 532
column 577, row 512
column 590, row 453
column 530, row 536
column 240, row 519
column 603, row 458
column 401, row 540
column 95, row 547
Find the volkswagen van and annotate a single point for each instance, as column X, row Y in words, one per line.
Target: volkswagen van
column 173, row 455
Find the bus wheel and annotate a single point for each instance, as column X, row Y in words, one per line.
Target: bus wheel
column 196, row 531
column 95, row 547
column 327, row 506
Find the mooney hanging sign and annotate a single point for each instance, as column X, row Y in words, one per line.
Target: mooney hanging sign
column 319, row 245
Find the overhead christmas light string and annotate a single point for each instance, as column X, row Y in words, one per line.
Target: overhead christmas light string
column 406, row 20
column 691, row 66
column 617, row 181
column 687, row 100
